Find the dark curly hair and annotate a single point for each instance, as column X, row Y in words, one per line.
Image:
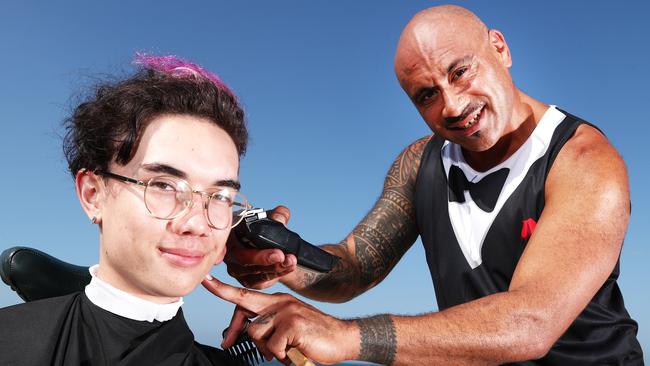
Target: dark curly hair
column 108, row 125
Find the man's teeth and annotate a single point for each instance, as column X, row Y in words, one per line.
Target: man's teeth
column 473, row 120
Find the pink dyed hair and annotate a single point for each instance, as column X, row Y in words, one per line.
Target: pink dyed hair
column 174, row 65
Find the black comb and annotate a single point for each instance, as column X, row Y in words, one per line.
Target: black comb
column 245, row 353
column 243, row 350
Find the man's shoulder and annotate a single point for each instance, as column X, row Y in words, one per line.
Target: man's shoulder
column 589, row 146
column 589, row 162
column 417, row 147
column 403, row 172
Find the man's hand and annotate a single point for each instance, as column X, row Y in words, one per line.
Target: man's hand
column 259, row 268
column 283, row 322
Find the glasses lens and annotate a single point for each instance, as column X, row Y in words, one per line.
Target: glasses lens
column 165, row 197
column 222, row 207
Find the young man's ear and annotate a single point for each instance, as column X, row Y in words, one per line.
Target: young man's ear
column 498, row 43
column 89, row 188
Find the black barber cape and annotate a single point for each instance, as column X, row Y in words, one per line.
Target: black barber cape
column 71, row 330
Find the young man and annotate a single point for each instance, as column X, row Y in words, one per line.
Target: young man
column 522, row 209
column 155, row 159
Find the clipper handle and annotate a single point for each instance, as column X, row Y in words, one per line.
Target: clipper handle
column 258, row 231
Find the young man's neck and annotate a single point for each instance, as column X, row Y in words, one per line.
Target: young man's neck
column 125, row 304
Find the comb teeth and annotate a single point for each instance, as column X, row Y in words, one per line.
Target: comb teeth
column 244, row 350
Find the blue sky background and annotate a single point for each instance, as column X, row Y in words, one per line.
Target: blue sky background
column 325, row 112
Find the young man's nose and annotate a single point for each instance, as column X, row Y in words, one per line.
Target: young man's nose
column 195, row 220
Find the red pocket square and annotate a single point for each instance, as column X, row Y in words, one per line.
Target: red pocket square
column 527, row 228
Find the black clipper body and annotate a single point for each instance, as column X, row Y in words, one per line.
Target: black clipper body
column 259, row 231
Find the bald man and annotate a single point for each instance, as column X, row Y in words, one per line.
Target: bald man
column 522, row 209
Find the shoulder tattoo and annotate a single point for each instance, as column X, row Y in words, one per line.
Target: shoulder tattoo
column 383, row 236
column 389, row 229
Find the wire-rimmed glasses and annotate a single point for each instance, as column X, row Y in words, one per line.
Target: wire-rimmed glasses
column 167, row 198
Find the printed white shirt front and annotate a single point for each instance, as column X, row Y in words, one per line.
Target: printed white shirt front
column 470, row 223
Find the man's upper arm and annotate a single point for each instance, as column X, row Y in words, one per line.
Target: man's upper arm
column 378, row 242
column 389, row 229
column 578, row 238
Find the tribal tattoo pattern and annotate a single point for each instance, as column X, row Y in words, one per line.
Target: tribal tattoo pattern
column 378, row 340
column 378, row 242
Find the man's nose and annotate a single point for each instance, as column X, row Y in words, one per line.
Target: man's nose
column 454, row 104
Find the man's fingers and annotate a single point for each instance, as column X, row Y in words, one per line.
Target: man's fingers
column 245, row 256
column 248, row 299
column 259, row 281
column 281, row 214
column 260, row 330
column 265, row 329
column 259, row 277
column 278, row 345
column 237, row 324
column 277, row 269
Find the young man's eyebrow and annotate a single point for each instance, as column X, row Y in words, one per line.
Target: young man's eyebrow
column 164, row 169
column 456, row 62
column 170, row 170
column 228, row 183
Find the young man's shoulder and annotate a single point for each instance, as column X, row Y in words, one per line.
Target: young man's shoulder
column 32, row 311
column 27, row 328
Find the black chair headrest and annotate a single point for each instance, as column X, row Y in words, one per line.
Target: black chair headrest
column 36, row 275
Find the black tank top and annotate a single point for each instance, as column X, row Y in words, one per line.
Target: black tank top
column 474, row 234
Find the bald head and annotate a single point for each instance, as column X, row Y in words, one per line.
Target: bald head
column 456, row 73
column 446, row 16
column 439, row 25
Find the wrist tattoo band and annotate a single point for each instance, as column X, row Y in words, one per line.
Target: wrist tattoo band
column 378, row 340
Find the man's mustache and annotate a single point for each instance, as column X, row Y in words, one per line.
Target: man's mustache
column 469, row 109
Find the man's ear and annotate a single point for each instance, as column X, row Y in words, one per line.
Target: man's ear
column 90, row 188
column 499, row 45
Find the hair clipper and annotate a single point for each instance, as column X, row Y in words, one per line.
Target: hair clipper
column 257, row 230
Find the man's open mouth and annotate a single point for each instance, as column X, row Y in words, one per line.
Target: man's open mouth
column 469, row 122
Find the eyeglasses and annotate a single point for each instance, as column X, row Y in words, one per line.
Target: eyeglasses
column 167, row 198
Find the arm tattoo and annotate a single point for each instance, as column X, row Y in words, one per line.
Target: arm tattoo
column 343, row 272
column 378, row 340
column 382, row 237
column 389, row 229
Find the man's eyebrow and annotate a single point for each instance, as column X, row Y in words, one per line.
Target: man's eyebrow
column 418, row 93
column 170, row 170
column 462, row 60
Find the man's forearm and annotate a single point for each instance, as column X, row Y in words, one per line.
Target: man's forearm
column 339, row 285
column 489, row 331
column 376, row 244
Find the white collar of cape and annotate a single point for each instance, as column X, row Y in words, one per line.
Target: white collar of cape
column 126, row 305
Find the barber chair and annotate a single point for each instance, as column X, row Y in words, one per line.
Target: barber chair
column 36, row 275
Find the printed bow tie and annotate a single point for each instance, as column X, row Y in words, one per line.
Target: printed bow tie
column 485, row 192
